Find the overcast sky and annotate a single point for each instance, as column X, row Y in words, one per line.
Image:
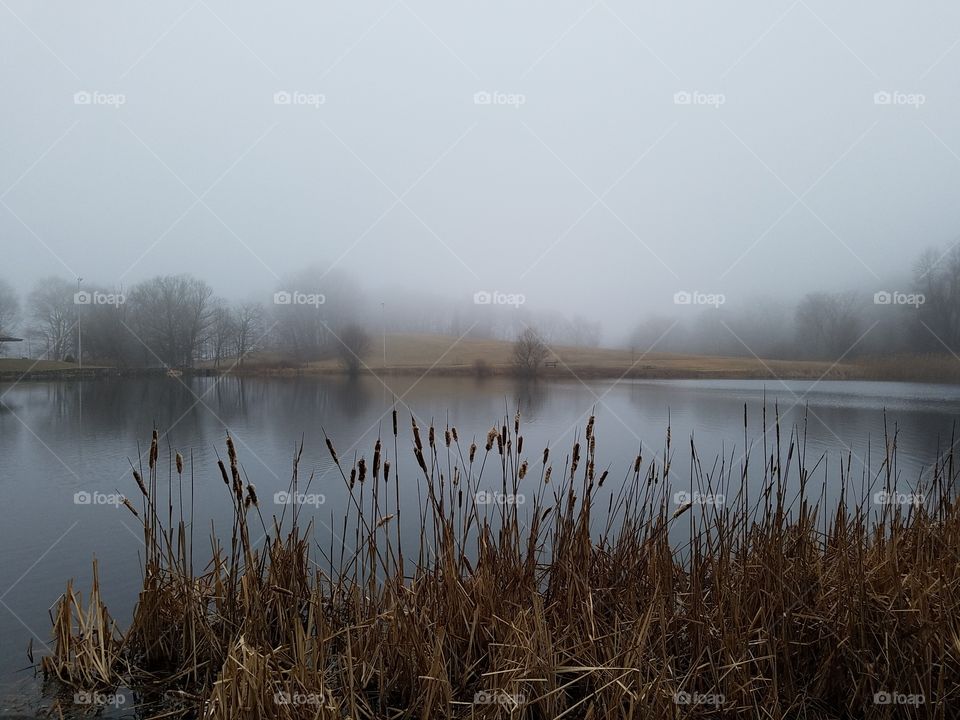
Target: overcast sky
column 623, row 151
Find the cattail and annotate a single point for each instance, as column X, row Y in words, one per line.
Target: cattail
column 333, row 452
column 491, row 436
column 576, row 458
column 154, row 451
column 431, row 438
column 590, row 427
column 453, row 431
column 456, row 476
column 237, row 483
column 223, row 471
column 519, row 444
column 353, row 477
column 503, row 433
column 252, row 494
column 376, row 460
column 420, row 460
column 446, row 437
column 500, row 444
column 416, row 435
column 590, row 469
column 523, row 469
column 143, row 488
column 602, row 478
column 394, row 422
column 636, row 463
column 593, row 445
column 383, row 521
column 473, row 451
column 130, row 507
column 362, row 466
column 179, row 464
column 386, row 471
column 546, row 454
column 546, row 478
column 681, row 510
column 231, row 451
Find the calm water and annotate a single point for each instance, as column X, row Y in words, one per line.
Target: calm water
column 60, row 439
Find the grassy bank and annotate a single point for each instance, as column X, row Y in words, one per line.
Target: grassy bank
column 600, row 595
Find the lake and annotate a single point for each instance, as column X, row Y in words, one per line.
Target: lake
column 66, row 448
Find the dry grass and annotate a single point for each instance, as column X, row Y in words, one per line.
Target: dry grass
column 771, row 605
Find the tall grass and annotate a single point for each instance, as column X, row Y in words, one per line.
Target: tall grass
column 595, row 598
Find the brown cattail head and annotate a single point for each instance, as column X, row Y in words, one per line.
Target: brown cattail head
column 154, row 449
column 130, row 507
column 546, row 478
column 237, row 483
column 491, row 436
column 636, row 463
column 473, row 451
column 431, row 437
column 362, row 467
column 394, row 422
column 383, row 521
column 546, row 455
column 143, row 488
column 252, row 494
column 603, row 477
column 333, row 452
column 376, row 460
column 179, row 464
column 446, row 437
column 231, row 451
column 416, row 435
column 353, row 477
column 223, row 472
column 503, row 433
column 523, row 469
column 516, row 423
column 386, row 471
column 576, row 458
column 519, row 444
column 453, row 431
column 500, row 444
column 590, row 427
column 420, row 460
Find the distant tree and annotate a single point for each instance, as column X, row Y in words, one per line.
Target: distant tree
column 223, row 330
column 248, row 329
column 937, row 277
column 827, row 325
column 53, row 313
column 354, row 344
column 172, row 315
column 9, row 310
column 529, row 352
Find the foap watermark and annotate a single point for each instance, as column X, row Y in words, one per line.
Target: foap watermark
column 100, row 699
column 95, row 97
column 682, row 497
column 288, row 698
column 295, row 297
column 886, row 297
column 485, row 297
column 297, row 97
column 498, row 697
column 695, row 297
column 98, row 298
column 485, row 497
column 895, row 497
column 288, row 498
column 514, row 100
column 895, row 97
column 682, row 697
column 696, row 97
column 885, row 697
column 82, row 497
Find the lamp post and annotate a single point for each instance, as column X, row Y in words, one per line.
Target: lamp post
column 79, row 329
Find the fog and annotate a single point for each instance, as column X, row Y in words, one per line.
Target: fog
column 596, row 159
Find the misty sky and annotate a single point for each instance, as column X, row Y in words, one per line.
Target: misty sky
column 587, row 183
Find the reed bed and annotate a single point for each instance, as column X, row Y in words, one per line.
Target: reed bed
column 596, row 597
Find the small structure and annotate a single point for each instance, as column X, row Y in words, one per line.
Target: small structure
column 5, row 339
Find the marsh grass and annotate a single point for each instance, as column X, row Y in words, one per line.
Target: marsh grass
column 595, row 598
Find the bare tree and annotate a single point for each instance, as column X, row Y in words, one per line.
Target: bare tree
column 827, row 325
column 354, row 344
column 529, row 352
column 223, row 330
column 54, row 314
column 9, row 310
column 172, row 316
column 248, row 329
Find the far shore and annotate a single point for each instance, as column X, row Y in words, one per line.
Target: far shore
column 440, row 355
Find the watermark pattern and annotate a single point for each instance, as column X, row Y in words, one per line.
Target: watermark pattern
column 288, row 698
column 288, row 498
column 696, row 97
column 884, row 697
column 100, row 699
column 514, row 100
column 498, row 697
column 495, row 297
column 295, row 297
column 82, row 497
column 682, row 697
column 486, row 497
column 695, row 297
column 896, row 297
column 98, row 298
column 95, row 97
column 682, row 497
column 896, row 97
column 886, row 497
column 297, row 97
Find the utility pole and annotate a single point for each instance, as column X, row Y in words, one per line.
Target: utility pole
column 383, row 314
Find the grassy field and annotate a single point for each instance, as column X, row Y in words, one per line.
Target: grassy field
column 444, row 354
column 27, row 365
